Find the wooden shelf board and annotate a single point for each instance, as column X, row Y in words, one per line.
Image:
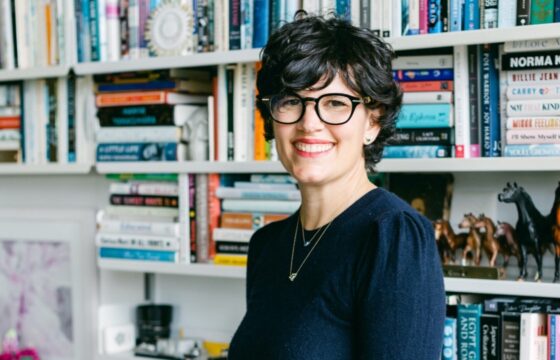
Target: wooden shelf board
column 153, row 63
column 46, row 169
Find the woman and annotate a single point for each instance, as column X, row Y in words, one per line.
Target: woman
column 354, row 274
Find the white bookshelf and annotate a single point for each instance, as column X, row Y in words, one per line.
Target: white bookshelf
column 34, row 73
column 153, row 63
column 192, row 167
column 205, row 270
column 503, row 287
column 44, row 169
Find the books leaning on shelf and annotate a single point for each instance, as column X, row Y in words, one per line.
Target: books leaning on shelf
column 149, row 116
column 142, row 222
column 501, row 328
column 532, row 107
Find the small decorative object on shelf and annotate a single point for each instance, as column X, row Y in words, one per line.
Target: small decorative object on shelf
column 448, row 241
column 533, row 229
column 169, row 29
column 11, row 351
column 489, row 244
column 509, row 245
column 471, row 251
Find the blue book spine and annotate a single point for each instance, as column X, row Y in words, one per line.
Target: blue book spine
column 435, row 21
column 468, row 331
column 261, row 9
column 449, row 350
column 71, row 103
column 78, row 13
column 553, row 336
column 137, row 254
column 556, row 10
column 137, row 152
column 455, row 15
column 86, row 33
column 471, row 15
column 532, row 150
column 152, row 85
column 415, row 116
column 490, row 127
column 93, row 29
column 416, row 151
column 423, row 75
column 343, row 9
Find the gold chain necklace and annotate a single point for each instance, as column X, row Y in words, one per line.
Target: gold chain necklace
column 307, row 242
column 293, row 274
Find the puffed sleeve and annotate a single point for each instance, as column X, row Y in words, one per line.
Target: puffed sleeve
column 399, row 294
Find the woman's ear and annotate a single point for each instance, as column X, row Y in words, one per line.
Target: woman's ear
column 372, row 127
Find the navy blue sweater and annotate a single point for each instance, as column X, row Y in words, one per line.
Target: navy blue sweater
column 372, row 289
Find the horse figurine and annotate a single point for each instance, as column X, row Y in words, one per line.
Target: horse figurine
column 490, row 245
column 506, row 237
column 554, row 220
column 532, row 228
column 448, row 240
column 473, row 241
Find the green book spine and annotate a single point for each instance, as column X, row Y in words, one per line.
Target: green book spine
column 542, row 11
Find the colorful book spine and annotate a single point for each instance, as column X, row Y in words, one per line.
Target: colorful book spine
column 449, row 350
column 421, row 86
column 234, row 24
column 238, row 220
column 490, row 126
column 556, row 10
column 262, row 194
column 423, row 16
column 537, row 122
column 455, row 15
column 435, row 21
column 423, row 75
column 144, row 200
column 553, row 327
column 473, row 52
column 259, row 206
column 415, row 116
column 137, row 152
column 416, row 151
column 468, row 330
column 471, row 15
column 261, row 9
column 532, row 150
column 230, row 260
column 137, row 254
column 542, row 11
column 214, row 212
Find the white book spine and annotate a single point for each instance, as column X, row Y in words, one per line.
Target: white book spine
column 102, row 29
column 312, row 6
column 125, row 210
column 355, row 12
column 503, row 86
column 138, row 134
column 396, row 22
column 62, row 120
column 376, row 7
column 414, row 17
column 532, row 326
column 225, row 32
column 7, row 35
column 386, row 18
column 218, row 25
column 532, row 45
column 507, row 13
column 42, row 120
column 9, row 135
column 421, row 62
column 533, row 122
column 329, row 7
column 113, row 30
column 533, row 76
column 184, row 221
column 9, row 145
column 211, row 129
column 533, row 107
column 240, row 105
column 22, row 37
column 246, row 24
column 139, row 227
column 222, row 114
column 84, row 120
column 145, row 188
column 535, row 91
column 427, row 97
column 271, row 206
column 263, row 186
column 237, row 193
column 225, row 234
column 135, row 241
column 533, row 136
column 461, row 108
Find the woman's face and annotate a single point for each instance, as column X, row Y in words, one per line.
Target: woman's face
column 317, row 153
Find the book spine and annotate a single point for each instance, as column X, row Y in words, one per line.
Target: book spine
column 542, row 11
column 427, row 97
column 230, row 71
column 423, row 62
column 490, row 337
column 536, row 122
column 248, row 221
column 236, row 193
column 532, row 150
column 420, row 86
column 138, row 227
column 490, row 127
column 123, row 29
column 201, row 208
column 365, row 13
column 238, row 235
column 145, row 188
column 415, row 116
column 532, row 45
column 256, row 206
column 443, row 136
column 461, row 102
column 138, row 134
column 444, row 13
column 449, row 350
column 523, row 12
column 533, row 108
column 246, row 28
column 471, row 15
column 455, row 15
column 232, row 247
column 468, row 330
column 230, row 260
column 507, row 13
column 474, row 99
column 556, row 10
column 423, row 75
column 94, row 30
column 531, row 60
column 533, row 92
column 144, row 200
column 490, row 14
column 435, row 23
column 538, row 136
column 416, row 151
column 261, row 9
column 134, row 241
column 234, row 24
column 137, row 152
column 137, row 254
column 143, row 211
column 214, row 211
column 413, row 17
column 533, row 76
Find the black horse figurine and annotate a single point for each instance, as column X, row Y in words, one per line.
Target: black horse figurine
column 554, row 220
column 532, row 228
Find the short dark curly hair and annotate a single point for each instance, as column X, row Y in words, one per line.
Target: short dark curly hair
column 312, row 48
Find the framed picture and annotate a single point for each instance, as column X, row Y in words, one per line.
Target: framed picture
column 48, row 281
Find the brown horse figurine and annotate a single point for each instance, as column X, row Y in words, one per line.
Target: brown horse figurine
column 554, row 219
column 444, row 233
column 506, row 237
column 490, row 245
column 473, row 242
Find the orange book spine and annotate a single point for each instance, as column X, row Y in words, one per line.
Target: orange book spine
column 259, row 142
column 10, row 122
column 48, row 22
column 440, row 85
column 248, row 221
column 214, row 211
column 131, row 98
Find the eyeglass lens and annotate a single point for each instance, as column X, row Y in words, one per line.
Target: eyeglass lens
column 333, row 109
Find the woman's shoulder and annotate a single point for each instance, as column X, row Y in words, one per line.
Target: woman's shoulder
column 270, row 231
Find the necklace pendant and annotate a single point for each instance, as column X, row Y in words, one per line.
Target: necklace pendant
column 292, row 276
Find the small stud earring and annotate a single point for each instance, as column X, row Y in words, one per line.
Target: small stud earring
column 368, row 140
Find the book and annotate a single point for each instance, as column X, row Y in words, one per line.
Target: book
column 166, row 188
column 131, row 212
column 523, row 12
column 416, row 151
column 230, row 260
column 532, row 45
column 425, row 115
column 423, row 75
column 136, row 241
column 533, row 107
column 109, row 226
column 531, row 60
column 255, row 206
column 137, row 254
column 533, row 92
column 461, row 106
column 489, row 103
column 138, row 152
column 533, row 136
column 473, row 53
column 532, row 150
column 533, row 122
column 542, row 12
column 532, row 327
column 490, row 14
column 422, row 62
column 449, row 350
column 136, row 134
column 507, row 13
column 144, row 200
column 147, row 98
column 180, row 85
column 239, row 220
column 427, row 97
column 471, row 16
column 426, row 136
column 436, row 85
column 201, row 226
column 264, row 194
column 533, row 76
column 239, row 235
column 490, row 337
column 232, row 248
column 468, row 329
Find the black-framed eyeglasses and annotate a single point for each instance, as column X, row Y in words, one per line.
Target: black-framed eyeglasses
column 333, row 109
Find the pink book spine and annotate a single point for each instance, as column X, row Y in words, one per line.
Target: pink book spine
column 423, row 16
